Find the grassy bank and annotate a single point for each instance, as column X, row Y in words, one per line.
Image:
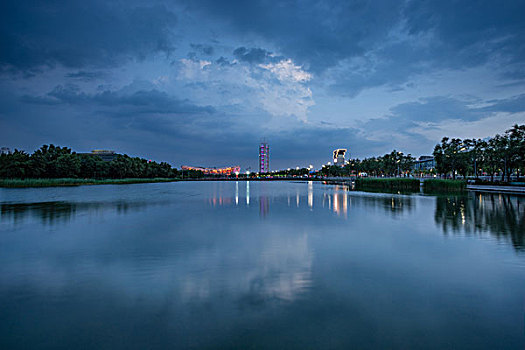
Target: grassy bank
column 20, row 183
column 388, row 184
column 440, row 185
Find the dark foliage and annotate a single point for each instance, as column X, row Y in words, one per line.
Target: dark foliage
column 52, row 162
column 501, row 155
column 392, row 164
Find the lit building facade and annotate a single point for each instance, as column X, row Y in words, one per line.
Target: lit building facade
column 264, row 157
column 236, row 169
column 339, row 156
column 424, row 163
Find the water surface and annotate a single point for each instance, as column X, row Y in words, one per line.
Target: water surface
column 262, row 265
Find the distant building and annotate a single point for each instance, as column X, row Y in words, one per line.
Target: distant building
column 5, row 150
column 105, row 155
column 424, row 163
column 339, row 156
column 264, row 157
column 236, row 169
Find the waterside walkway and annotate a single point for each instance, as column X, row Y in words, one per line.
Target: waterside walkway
column 500, row 189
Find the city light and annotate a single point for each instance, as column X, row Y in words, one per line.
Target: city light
column 236, row 169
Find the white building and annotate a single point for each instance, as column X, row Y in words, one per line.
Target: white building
column 339, row 156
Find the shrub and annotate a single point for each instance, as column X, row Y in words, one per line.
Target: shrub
column 442, row 185
column 387, row 184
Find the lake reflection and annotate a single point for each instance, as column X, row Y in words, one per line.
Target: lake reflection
column 484, row 213
column 259, row 265
column 56, row 212
column 336, row 198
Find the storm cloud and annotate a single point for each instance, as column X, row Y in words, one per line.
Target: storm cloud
column 77, row 34
column 203, row 81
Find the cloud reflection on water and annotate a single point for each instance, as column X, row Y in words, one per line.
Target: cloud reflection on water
column 210, row 262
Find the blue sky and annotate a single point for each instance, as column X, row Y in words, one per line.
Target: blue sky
column 201, row 82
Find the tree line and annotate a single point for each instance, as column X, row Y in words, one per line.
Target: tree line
column 391, row 164
column 501, row 155
column 51, row 161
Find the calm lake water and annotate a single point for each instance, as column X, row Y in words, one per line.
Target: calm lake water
column 259, row 265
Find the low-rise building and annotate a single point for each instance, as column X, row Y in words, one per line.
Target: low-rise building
column 105, row 155
column 236, row 169
column 425, row 163
column 339, row 157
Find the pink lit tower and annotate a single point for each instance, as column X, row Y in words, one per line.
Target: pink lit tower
column 264, row 157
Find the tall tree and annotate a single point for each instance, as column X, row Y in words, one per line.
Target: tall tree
column 449, row 157
column 516, row 144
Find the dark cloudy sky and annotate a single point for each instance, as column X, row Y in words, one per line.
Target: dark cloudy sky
column 201, row 82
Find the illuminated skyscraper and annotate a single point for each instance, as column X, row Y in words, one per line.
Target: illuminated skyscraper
column 264, row 157
column 339, row 156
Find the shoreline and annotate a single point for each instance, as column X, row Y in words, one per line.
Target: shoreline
column 67, row 182
column 33, row 183
column 497, row 189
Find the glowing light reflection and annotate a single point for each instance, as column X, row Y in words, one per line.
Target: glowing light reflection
column 310, row 194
